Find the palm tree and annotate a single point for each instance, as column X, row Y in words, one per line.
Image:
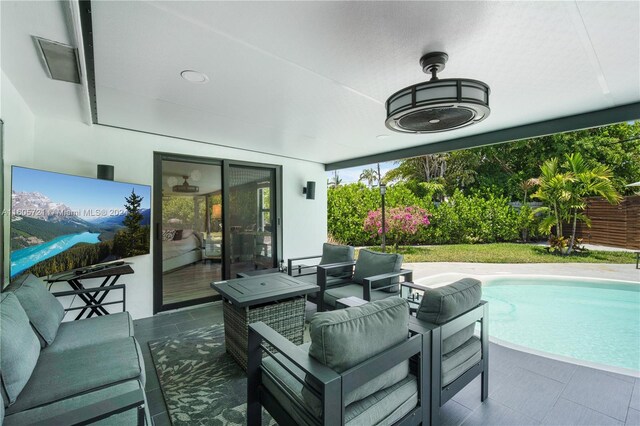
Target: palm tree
column 335, row 180
column 554, row 191
column 370, row 175
column 588, row 181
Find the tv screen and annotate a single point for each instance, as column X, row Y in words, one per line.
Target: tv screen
column 61, row 222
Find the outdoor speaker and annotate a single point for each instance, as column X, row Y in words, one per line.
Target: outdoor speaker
column 310, row 190
column 105, row 172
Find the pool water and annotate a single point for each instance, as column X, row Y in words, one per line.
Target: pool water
column 595, row 321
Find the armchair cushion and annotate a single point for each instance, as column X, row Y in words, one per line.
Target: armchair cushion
column 345, row 338
column 19, row 347
column 442, row 304
column 43, row 309
column 333, row 253
column 370, row 263
column 460, row 360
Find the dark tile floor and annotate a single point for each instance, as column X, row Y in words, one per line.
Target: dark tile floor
column 524, row 389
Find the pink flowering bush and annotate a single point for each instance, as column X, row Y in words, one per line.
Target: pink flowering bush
column 401, row 222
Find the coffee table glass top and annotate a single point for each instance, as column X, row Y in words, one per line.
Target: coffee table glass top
column 262, row 289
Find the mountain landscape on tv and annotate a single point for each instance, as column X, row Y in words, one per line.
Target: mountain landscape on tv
column 48, row 236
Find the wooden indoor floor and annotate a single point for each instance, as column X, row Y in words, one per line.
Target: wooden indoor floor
column 190, row 282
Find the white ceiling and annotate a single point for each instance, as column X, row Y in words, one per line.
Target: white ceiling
column 309, row 79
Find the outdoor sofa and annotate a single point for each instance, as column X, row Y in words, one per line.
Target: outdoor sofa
column 56, row 372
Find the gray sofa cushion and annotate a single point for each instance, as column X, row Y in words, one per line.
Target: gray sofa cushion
column 60, row 375
column 442, row 304
column 60, row 407
column 343, row 339
column 333, row 294
column 43, row 309
column 383, row 407
column 333, row 253
column 370, row 263
column 91, row 331
column 19, row 347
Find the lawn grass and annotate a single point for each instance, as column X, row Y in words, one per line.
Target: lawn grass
column 504, row 253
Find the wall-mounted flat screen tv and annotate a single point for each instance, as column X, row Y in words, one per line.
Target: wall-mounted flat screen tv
column 61, row 222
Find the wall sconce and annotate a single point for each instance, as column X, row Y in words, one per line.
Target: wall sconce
column 105, row 172
column 310, row 190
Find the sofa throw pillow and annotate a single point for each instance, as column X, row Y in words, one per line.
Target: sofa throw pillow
column 345, row 338
column 168, row 234
column 442, row 304
column 43, row 309
column 333, row 253
column 19, row 346
column 371, row 263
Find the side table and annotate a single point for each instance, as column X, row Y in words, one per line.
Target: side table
column 276, row 299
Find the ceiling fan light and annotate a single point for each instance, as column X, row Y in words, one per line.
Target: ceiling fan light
column 437, row 105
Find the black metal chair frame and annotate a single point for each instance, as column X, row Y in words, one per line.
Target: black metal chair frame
column 323, row 275
column 100, row 410
column 301, row 269
column 330, row 385
column 437, row 334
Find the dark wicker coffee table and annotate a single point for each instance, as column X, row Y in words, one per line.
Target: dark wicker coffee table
column 276, row 299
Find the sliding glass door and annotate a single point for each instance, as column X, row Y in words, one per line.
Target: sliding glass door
column 251, row 202
column 213, row 219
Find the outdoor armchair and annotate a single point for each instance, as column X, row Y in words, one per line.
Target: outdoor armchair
column 363, row 366
column 448, row 316
column 305, row 268
column 374, row 276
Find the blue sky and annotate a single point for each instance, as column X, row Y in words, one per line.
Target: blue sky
column 76, row 192
column 352, row 174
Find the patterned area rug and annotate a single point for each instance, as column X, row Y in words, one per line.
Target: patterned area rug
column 200, row 382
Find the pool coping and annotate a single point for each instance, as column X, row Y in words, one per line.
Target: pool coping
column 445, row 278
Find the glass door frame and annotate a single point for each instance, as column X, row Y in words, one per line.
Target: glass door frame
column 158, row 158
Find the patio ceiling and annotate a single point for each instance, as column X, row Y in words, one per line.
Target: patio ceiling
column 309, row 80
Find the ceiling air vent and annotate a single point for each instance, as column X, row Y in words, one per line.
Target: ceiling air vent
column 60, row 60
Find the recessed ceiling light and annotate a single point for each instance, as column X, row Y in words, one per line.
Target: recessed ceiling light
column 194, row 76
column 382, row 136
column 434, row 121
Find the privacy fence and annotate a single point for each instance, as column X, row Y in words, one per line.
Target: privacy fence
column 612, row 225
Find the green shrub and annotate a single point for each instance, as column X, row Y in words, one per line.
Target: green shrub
column 474, row 218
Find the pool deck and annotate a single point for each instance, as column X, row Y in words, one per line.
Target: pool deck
column 529, row 389
column 626, row 272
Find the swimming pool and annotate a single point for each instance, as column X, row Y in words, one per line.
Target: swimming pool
column 597, row 321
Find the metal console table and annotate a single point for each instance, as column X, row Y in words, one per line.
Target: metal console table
column 93, row 301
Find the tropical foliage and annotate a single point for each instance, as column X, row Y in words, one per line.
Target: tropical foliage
column 563, row 190
column 400, row 223
column 473, row 218
column 505, row 167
